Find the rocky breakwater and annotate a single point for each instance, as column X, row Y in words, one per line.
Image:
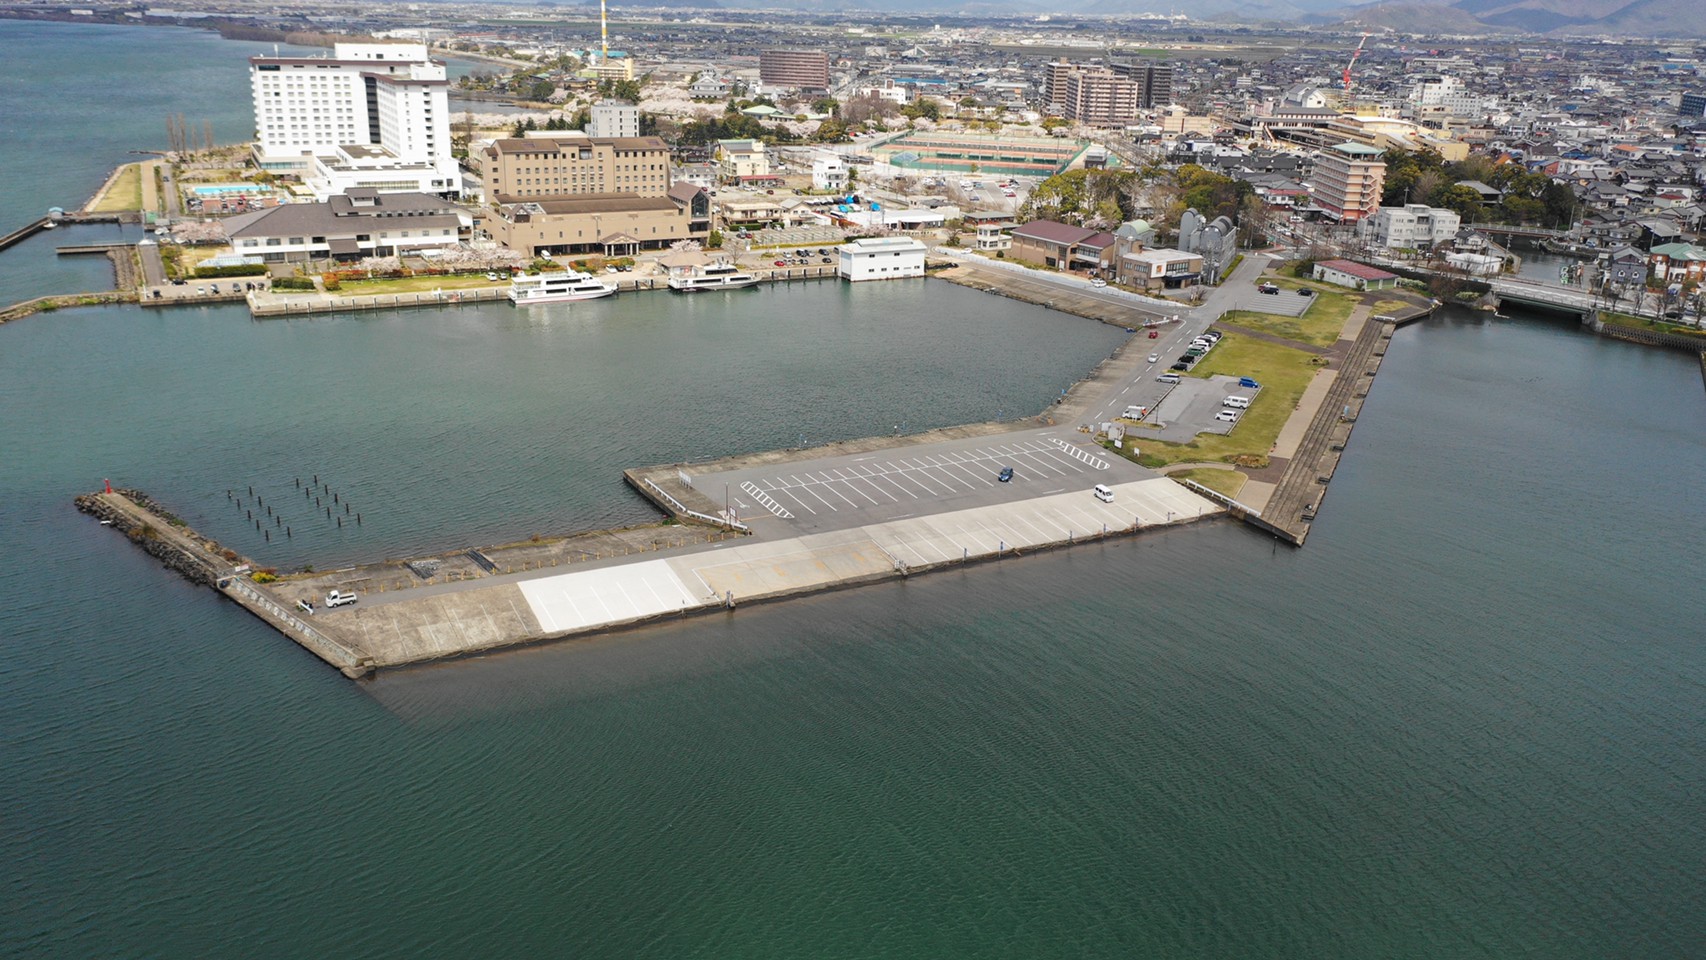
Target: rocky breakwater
column 178, row 550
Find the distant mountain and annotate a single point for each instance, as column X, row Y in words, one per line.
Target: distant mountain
column 1649, row 18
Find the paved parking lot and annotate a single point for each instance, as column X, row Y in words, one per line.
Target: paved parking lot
column 846, row 491
column 1286, row 303
column 1189, row 408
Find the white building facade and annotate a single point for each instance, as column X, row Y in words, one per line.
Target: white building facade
column 614, row 118
column 1414, row 226
column 390, row 98
column 882, row 258
column 829, row 173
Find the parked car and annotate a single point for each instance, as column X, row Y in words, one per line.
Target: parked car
column 781, row 263
column 1154, row 357
column 1098, row 282
column 1167, row 378
column 1305, row 292
column 1227, row 416
column 1005, row 475
column 492, row 276
column 1268, row 288
column 1179, row 366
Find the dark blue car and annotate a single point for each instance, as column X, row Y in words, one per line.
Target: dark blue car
column 1005, row 475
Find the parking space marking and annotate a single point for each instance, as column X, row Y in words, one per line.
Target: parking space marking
column 1076, row 453
column 765, row 500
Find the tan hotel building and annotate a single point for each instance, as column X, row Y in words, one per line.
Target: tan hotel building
column 579, row 195
column 1348, row 181
column 576, row 166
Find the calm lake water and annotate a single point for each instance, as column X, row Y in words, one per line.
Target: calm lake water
column 1465, row 721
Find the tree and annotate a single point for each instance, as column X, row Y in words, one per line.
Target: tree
column 922, row 108
column 715, row 240
column 1463, row 200
column 827, row 105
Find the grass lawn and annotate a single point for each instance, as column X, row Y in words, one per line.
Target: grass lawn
column 362, row 288
column 1645, row 323
column 1228, row 482
column 1319, row 326
column 126, row 193
column 1283, row 372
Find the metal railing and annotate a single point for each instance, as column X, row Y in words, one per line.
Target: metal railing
column 289, row 619
column 682, row 509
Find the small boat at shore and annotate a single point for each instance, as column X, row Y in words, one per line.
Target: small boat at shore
column 720, row 276
column 559, row 286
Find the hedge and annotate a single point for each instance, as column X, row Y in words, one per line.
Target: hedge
column 236, row 270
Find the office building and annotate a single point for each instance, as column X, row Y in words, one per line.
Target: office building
column 388, row 100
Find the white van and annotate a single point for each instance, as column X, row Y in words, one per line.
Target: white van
column 338, row 598
column 1237, row 403
column 1103, row 493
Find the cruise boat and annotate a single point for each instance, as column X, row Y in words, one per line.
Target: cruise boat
column 718, row 276
column 562, row 286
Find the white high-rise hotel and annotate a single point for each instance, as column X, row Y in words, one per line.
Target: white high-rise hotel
column 370, row 115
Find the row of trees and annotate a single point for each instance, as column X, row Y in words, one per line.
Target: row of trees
column 1529, row 198
column 1102, row 199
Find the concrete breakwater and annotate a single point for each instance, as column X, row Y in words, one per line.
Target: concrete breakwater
column 650, row 573
column 203, row 561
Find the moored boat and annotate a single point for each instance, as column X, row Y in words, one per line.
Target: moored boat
column 717, row 276
column 558, row 286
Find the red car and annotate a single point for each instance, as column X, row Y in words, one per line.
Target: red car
column 781, row 263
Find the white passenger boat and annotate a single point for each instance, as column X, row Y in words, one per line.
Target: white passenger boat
column 718, row 276
column 557, row 287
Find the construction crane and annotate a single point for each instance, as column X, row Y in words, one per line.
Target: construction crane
column 1354, row 55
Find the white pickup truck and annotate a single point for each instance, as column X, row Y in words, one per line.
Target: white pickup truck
column 338, row 598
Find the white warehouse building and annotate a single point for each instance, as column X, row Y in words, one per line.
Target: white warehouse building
column 882, row 258
column 388, row 101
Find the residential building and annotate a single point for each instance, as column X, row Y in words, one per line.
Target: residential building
column 1106, row 95
column 741, row 159
column 1348, row 180
column 360, row 223
column 1414, row 226
column 540, row 167
column 614, row 118
column 993, row 236
column 1057, row 245
column 804, row 70
column 1099, row 97
column 1357, row 276
column 390, row 98
column 882, row 258
column 829, row 173
column 1153, row 78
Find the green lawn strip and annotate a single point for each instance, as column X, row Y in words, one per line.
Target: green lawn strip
column 1319, row 326
column 363, row 288
column 1227, row 482
column 1283, row 372
column 126, row 193
column 1644, row 323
